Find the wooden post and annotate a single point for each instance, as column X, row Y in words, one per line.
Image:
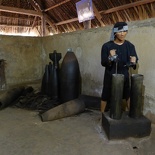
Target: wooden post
column 87, row 24
column 43, row 25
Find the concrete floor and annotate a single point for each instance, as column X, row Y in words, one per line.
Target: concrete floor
column 23, row 133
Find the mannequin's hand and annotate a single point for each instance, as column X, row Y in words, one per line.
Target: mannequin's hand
column 112, row 52
column 133, row 59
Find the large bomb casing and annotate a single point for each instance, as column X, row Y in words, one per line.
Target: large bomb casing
column 54, row 75
column 136, row 96
column 9, row 96
column 50, row 80
column 55, row 57
column 67, row 109
column 70, row 81
column 116, row 96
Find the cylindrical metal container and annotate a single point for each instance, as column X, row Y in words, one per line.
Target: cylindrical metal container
column 69, row 77
column 9, row 96
column 116, row 96
column 70, row 108
column 136, row 96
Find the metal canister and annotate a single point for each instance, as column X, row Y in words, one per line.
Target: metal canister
column 136, row 96
column 116, row 96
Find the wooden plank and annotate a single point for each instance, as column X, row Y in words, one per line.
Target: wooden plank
column 35, row 5
column 43, row 26
column 9, row 25
column 20, row 18
column 61, row 3
column 20, row 11
column 34, row 21
column 119, row 17
column 127, row 6
column 152, row 10
column 67, row 21
column 87, row 24
column 98, row 16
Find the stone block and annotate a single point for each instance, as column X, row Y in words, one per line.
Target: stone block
column 126, row 126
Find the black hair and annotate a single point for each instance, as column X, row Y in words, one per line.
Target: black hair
column 120, row 25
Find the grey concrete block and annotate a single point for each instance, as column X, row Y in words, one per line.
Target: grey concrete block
column 126, row 126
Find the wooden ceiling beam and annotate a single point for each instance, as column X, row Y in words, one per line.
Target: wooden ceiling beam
column 122, row 7
column 127, row 6
column 152, row 10
column 37, row 7
column 16, row 18
column 40, row 4
column 19, row 11
column 47, row 18
column 9, row 25
column 0, row 4
column 34, row 22
column 67, row 21
column 50, row 8
column 98, row 15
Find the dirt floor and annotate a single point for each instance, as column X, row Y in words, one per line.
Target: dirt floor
column 23, row 133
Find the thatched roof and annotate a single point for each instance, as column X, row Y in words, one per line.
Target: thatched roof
column 60, row 16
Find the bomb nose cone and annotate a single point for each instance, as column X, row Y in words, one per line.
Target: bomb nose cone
column 69, row 50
